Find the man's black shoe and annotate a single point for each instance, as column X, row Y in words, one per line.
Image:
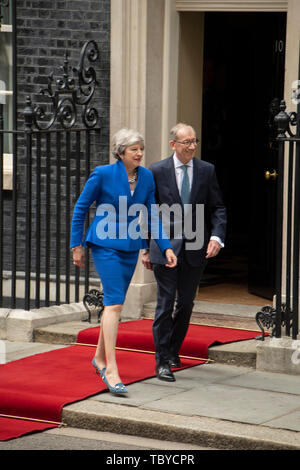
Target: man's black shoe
column 175, row 363
column 163, row 373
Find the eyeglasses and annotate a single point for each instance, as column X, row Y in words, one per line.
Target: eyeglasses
column 188, row 143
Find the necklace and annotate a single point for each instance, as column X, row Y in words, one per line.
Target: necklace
column 133, row 180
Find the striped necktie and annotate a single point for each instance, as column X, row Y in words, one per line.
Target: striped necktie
column 185, row 187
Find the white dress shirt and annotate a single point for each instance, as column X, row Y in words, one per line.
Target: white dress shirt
column 179, row 178
column 179, row 172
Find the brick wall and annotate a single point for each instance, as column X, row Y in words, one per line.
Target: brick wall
column 45, row 30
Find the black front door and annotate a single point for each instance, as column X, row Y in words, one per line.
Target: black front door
column 243, row 73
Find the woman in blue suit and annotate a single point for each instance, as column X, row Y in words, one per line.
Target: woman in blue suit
column 115, row 238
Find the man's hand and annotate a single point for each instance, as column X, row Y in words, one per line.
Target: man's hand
column 171, row 258
column 146, row 260
column 213, row 249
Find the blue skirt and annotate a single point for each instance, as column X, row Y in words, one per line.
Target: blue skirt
column 115, row 269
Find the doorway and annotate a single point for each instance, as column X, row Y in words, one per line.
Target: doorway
column 243, row 71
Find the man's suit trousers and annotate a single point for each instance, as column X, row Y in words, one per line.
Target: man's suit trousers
column 170, row 326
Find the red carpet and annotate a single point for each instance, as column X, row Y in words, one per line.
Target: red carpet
column 138, row 335
column 38, row 386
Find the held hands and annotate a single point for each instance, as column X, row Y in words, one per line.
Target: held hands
column 169, row 254
column 171, row 258
column 146, row 261
column 78, row 256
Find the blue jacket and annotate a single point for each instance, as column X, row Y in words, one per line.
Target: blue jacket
column 108, row 186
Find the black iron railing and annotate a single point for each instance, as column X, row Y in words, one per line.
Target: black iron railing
column 283, row 318
column 52, row 158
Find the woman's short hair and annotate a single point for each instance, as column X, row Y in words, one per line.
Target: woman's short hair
column 123, row 139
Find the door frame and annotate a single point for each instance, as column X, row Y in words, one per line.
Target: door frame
column 232, row 5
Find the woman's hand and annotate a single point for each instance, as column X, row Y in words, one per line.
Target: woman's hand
column 171, row 258
column 78, row 256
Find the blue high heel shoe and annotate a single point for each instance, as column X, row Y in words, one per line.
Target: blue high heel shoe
column 118, row 388
column 99, row 371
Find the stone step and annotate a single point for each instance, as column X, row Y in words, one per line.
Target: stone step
column 215, row 314
column 241, row 353
column 59, row 333
column 135, row 420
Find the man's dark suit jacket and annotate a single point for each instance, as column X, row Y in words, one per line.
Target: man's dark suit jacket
column 205, row 190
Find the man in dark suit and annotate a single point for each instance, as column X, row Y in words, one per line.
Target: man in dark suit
column 189, row 184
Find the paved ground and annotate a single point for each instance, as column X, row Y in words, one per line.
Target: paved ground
column 214, row 405
column 217, row 405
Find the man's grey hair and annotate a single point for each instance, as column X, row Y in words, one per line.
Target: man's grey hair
column 180, row 126
column 123, row 139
